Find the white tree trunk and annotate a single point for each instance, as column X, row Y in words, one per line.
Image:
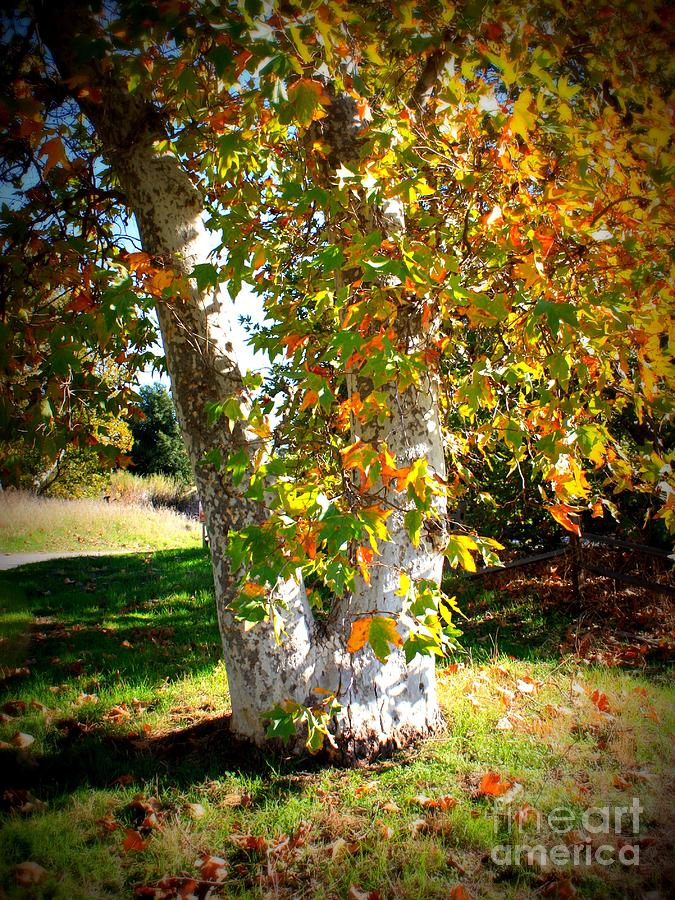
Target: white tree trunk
column 385, row 706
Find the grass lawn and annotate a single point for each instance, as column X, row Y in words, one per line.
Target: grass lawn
column 29, row 523
column 112, row 668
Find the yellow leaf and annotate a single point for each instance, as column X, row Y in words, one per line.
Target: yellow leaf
column 522, row 120
column 300, row 45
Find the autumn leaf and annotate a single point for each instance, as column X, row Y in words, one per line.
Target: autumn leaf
column 444, row 802
column 600, row 701
column 355, row 894
column 212, row 868
column 458, row 892
column 364, row 556
column 309, row 98
column 22, row 740
column 561, row 513
column 138, row 262
column 504, row 724
column 492, row 785
column 379, row 631
column 55, row 153
column 133, row 840
column 160, row 280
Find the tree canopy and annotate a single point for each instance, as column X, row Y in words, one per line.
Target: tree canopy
column 477, row 193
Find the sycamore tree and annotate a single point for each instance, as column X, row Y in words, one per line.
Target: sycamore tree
column 457, row 216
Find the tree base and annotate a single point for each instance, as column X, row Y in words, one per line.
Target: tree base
column 356, row 749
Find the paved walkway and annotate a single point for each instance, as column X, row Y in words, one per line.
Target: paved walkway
column 14, row 560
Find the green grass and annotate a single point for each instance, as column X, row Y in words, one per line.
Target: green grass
column 29, row 523
column 152, row 714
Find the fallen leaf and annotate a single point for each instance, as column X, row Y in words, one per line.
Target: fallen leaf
column 338, row 848
column 355, row 894
column 391, row 807
column 504, row 724
column 249, row 842
column 196, row 810
column 133, row 840
column 458, row 892
column 124, row 780
column 492, row 785
column 22, row 740
column 236, row 799
column 27, row 873
column 367, row 788
column 212, row 868
column 445, row 802
column 386, row 831
column 107, row 823
column 621, row 783
column 526, row 685
column 600, row 701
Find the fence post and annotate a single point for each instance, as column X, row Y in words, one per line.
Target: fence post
column 577, row 562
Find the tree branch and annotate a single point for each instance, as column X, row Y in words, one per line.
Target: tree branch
column 430, row 75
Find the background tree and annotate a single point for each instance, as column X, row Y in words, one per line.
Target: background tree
column 158, row 446
column 458, row 220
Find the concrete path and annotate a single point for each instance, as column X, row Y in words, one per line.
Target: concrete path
column 14, row 560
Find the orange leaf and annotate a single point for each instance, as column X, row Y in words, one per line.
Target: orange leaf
column 133, row 840
column 251, row 589
column 359, row 634
column 546, row 240
column 80, row 303
column 459, row 892
column 161, row 279
column 600, row 701
column 213, row 868
column 55, row 154
column 364, row 556
column 493, row 786
column 560, row 513
column 138, row 262
column 310, row 399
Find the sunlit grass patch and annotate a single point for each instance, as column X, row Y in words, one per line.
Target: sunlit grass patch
column 136, row 693
column 30, row 523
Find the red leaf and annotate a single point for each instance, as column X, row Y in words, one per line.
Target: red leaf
column 133, row 841
column 600, row 701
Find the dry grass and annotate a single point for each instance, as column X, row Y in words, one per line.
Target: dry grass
column 156, row 490
column 30, row 523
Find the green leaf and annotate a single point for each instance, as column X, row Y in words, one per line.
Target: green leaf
column 413, row 524
column 206, row 275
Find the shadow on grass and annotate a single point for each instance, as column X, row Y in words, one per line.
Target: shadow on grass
column 518, row 624
column 119, row 618
column 116, row 627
